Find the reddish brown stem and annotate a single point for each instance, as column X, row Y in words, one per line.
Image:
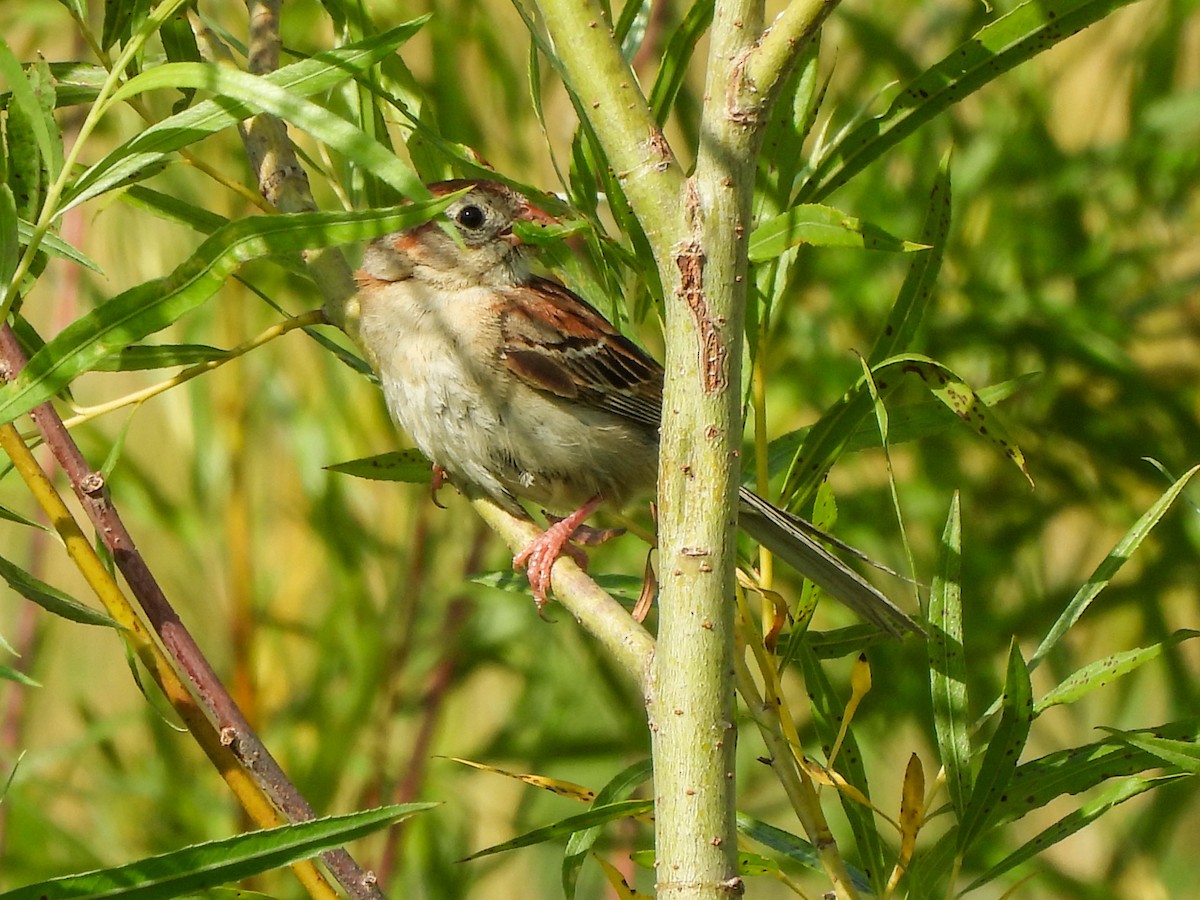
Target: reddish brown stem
column 235, row 732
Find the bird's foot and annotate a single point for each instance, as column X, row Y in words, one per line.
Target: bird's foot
column 539, row 557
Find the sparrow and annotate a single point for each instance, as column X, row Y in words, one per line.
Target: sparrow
column 518, row 390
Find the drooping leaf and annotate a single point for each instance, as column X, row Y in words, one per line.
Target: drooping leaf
column 51, row 598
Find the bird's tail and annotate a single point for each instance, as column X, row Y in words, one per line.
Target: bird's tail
column 795, row 541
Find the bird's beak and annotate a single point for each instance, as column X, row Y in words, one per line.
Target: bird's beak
column 529, row 213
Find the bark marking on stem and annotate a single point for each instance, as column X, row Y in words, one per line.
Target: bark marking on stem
column 713, row 352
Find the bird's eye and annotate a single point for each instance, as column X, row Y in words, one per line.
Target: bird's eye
column 470, row 217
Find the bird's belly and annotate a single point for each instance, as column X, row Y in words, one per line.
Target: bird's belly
column 540, row 448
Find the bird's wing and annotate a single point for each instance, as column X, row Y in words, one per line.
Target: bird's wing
column 555, row 342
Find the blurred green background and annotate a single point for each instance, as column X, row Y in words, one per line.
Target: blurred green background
column 341, row 611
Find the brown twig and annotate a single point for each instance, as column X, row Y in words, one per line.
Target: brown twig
column 235, row 733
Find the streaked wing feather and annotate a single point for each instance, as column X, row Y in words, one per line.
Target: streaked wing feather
column 555, row 342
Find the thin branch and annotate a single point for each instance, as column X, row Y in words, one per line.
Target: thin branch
column 765, row 67
column 602, row 616
column 609, row 95
column 227, row 722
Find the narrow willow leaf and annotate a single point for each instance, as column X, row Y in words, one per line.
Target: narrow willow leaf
column 615, row 879
column 311, row 76
column 623, row 587
column 1109, row 567
column 78, row 8
column 24, row 87
column 1182, row 753
column 677, row 56
column 203, row 866
column 580, row 844
column 51, row 598
column 1028, row 30
column 595, row 816
column 916, row 294
column 399, row 465
column 630, row 29
column 1043, row 780
column 56, row 246
column 1112, row 796
column 791, row 119
column 906, row 422
column 948, row 665
column 958, row 396
column 172, row 208
column 161, row 356
column 259, row 94
column 831, row 434
column 821, row 226
column 10, row 674
column 26, row 168
column 12, row 516
column 1003, row 751
column 10, row 242
column 794, row 848
column 149, row 307
column 1104, row 671
column 826, row 708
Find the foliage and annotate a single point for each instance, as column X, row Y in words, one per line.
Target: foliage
column 1038, row 285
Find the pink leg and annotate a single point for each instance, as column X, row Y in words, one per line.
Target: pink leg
column 539, row 557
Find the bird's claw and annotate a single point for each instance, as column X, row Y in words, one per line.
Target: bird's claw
column 543, row 551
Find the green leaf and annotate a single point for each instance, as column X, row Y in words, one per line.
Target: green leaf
column 623, row 587
column 677, row 56
column 1003, row 751
column 400, row 465
column 580, row 843
column 204, row 866
column 1078, row 769
column 11, row 516
column 149, row 307
column 172, row 208
column 1109, row 567
column 1112, row 796
column 319, row 73
column 29, row 90
column 1028, row 30
column 51, row 598
column 830, row 435
column 10, row 242
column 10, row 674
column 260, row 94
column 158, row 356
column 821, row 226
column 916, row 294
column 56, row 246
column 948, row 665
column 1182, row 753
column 596, row 816
column 1104, row 671
column 794, row 848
